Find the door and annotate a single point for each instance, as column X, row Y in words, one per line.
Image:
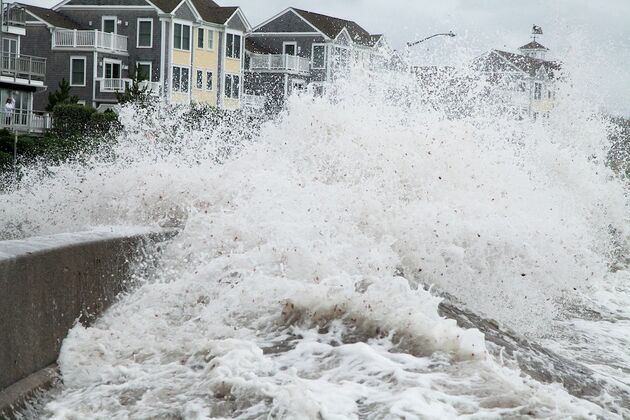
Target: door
column 290, row 48
column 9, row 53
column 109, row 24
column 112, row 70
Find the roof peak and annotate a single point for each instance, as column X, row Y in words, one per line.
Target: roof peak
column 533, row 45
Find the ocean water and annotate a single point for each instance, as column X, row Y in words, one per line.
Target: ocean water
column 305, row 281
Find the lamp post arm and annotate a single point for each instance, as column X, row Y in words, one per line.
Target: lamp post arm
column 411, row 44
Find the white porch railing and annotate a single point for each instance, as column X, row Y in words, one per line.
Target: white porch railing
column 153, row 88
column 23, row 66
column 279, row 63
column 26, row 121
column 89, row 39
column 252, row 101
column 114, row 85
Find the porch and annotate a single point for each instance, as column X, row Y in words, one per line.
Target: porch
column 97, row 40
column 33, row 122
column 279, row 63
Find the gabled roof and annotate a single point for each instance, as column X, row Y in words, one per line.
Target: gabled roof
column 100, row 3
column 167, row 6
column 528, row 65
column 212, row 12
column 332, row 26
column 374, row 39
column 51, row 17
column 533, row 46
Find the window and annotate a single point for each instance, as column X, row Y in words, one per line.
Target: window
column 145, row 33
column 549, row 94
column 144, row 69
column 180, row 79
column 210, row 39
column 232, row 86
column 537, row 90
column 181, row 36
column 208, row 80
column 319, row 56
column 289, row 48
column 200, row 32
column 233, row 46
column 199, row 79
column 108, row 24
column 112, row 69
column 77, row 71
column 9, row 45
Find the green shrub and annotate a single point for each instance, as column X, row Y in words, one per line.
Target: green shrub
column 72, row 120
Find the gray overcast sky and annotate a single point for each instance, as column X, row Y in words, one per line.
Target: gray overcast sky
column 593, row 34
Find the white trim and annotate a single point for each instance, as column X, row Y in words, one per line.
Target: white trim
column 290, row 9
column 144, row 63
column 266, row 34
column 138, row 21
column 107, row 61
column 318, row 44
column 345, row 30
column 212, row 72
column 79, row 57
column 180, row 79
column 240, row 85
column 209, row 32
column 233, row 32
column 203, row 73
column 190, row 34
column 190, row 5
column 241, row 15
column 295, row 48
column 114, row 18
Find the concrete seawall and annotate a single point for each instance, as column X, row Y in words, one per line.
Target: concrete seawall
column 46, row 285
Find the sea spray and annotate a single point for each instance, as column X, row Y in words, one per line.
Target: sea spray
column 295, row 285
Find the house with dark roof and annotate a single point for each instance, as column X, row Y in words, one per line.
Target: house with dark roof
column 21, row 75
column 185, row 50
column 524, row 80
column 298, row 49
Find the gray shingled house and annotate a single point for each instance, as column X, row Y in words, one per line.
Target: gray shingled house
column 21, row 75
column 297, row 49
column 187, row 50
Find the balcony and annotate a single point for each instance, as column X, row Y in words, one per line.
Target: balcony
column 13, row 15
column 89, row 40
column 23, row 67
column 27, row 121
column 279, row 63
column 114, row 85
column 253, row 101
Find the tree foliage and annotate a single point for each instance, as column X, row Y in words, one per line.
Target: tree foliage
column 61, row 96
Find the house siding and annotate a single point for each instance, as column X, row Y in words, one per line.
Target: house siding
column 288, row 22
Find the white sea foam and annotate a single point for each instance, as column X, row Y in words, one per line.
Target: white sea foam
column 291, row 289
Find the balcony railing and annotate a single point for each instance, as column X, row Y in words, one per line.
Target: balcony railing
column 114, row 85
column 13, row 15
column 26, row 121
column 279, row 63
column 90, row 39
column 252, row 101
column 22, row 66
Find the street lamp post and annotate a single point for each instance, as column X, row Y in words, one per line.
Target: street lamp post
column 411, row 44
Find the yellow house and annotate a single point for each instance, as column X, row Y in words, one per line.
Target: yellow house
column 203, row 53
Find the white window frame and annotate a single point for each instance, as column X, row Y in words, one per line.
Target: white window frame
column 179, row 90
column 150, row 64
column 203, row 43
column 107, row 61
column 138, row 33
column 114, row 18
column 540, row 92
column 241, row 52
column 211, row 80
column 240, row 86
column 294, row 43
column 83, row 58
column 191, row 41
column 313, row 56
column 203, row 73
column 210, row 40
